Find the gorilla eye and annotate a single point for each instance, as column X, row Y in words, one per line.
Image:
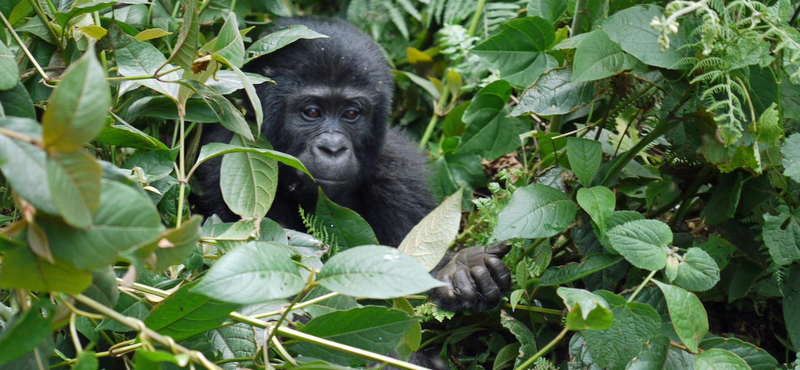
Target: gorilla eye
column 351, row 114
column 312, row 113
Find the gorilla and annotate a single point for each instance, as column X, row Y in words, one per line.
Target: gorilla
column 330, row 107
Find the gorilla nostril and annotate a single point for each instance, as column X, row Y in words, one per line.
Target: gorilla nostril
column 332, row 151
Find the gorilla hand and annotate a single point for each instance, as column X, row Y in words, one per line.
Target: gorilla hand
column 476, row 278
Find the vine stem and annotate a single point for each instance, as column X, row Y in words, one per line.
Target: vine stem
column 182, row 166
column 547, row 311
column 40, row 13
column 546, row 348
column 641, row 286
column 24, row 49
column 139, row 326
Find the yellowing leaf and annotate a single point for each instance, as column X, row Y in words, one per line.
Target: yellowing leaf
column 427, row 242
column 94, row 31
column 150, row 34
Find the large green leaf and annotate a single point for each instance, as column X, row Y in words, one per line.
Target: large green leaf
column 17, row 102
column 551, row 10
column 371, row 328
column 185, row 313
column 173, row 246
column 642, row 242
column 697, row 271
column 213, row 150
column 248, row 180
column 791, row 306
column 229, row 43
column 23, row 165
column 280, row 38
column 599, row 203
column 756, row 358
column 427, row 242
column 244, row 80
column 74, row 180
column 598, row 57
column 346, row 227
column 518, row 51
column 185, row 49
column 143, row 59
column 124, row 219
column 227, row 115
column 791, row 157
column 260, row 271
column 687, row 313
column 782, row 235
column 554, row 94
column 564, row 274
column 23, row 334
column 719, row 359
column 375, row 272
column 535, row 211
column 489, row 131
column 23, row 269
column 9, row 73
column 585, row 157
column 631, row 29
column 586, row 310
column 77, row 109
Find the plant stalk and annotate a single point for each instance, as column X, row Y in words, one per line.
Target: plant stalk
column 546, row 348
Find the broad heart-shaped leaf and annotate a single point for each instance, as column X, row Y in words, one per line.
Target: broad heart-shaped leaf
column 24, row 270
column 229, row 44
column 599, row 203
column 375, row 271
column 518, row 51
column 697, row 272
column 586, row 310
column 77, row 109
column 631, row 29
column 9, row 74
column 634, row 324
column 22, row 334
column 17, row 102
column 23, row 165
column 687, row 313
column 213, row 150
column 227, row 115
column 260, row 271
column 554, row 94
column 598, row 57
column 782, row 235
column 186, row 313
column 427, row 242
column 280, row 38
column 585, row 157
column 489, row 132
column 551, row 10
column 372, row 328
column 642, row 242
column 143, row 59
column 74, row 180
column 535, row 211
column 756, row 358
column 248, row 180
column 347, row 227
column 124, row 219
column 791, row 157
column 719, row 359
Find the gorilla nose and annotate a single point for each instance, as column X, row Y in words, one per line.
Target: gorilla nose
column 331, row 146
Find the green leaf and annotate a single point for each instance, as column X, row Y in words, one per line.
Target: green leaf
column 87, row 360
column 599, row 203
column 175, row 245
column 654, row 355
column 756, row 358
column 586, row 310
column 77, row 109
column 103, row 289
column 248, row 180
column 17, row 102
column 551, row 10
column 156, row 164
column 489, row 132
column 280, row 38
column 791, row 157
column 185, row 313
column 564, row 274
column 23, row 165
column 151, row 33
column 124, row 219
column 260, row 271
column 505, row 355
column 22, row 334
column 229, row 44
column 428, row 241
column 535, row 211
column 24, row 270
column 213, row 150
column 524, row 335
column 346, row 226
column 598, row 57
column 124, row 135
column 697, row 272
column 642, row 242
column 371, row 328
column 227, row 115
column 518, row 51
column 791, row 305
column 185, row 49
column 585, row 157
column 74, row 180
column 719, row 359
column 782, row 235
column 255, row 101
column 234, row 341
column 82, row 8
column 197, row 109
column 634, row 324
column 630, row 28
column 143, row 59
column 554, row 94
column 375, row 272
column 768, row 127
column 687, row 313
column 9, row 73
column 453, row 171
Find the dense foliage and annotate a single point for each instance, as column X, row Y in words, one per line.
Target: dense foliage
column 643, row 158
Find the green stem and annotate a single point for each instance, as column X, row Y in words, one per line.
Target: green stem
column 547, row 311
column 546, row 348
column 40, row 13
column 182, row 167
column 641, row 286
column 280, row 320
column 473, row 26
column 580, row 17
column 555, row 124
column 298, row 306
column 24, row 49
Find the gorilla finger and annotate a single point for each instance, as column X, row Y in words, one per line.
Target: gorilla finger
column 500, row 272
column 499, row 249
column 446, row 293
column 483, row 279
column 465, row 288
